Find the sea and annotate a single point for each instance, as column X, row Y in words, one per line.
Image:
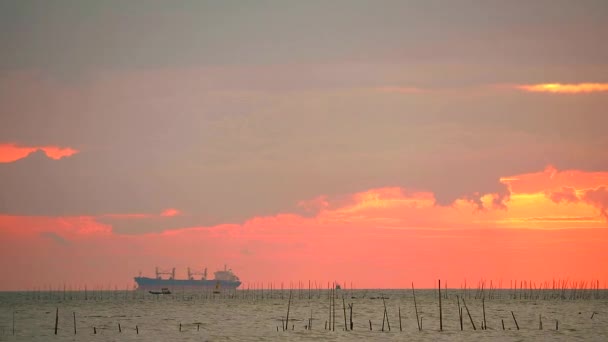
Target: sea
column 306, row 315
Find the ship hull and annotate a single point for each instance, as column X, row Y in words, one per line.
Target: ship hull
column 145, row 283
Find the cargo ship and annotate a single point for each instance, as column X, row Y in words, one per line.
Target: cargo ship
column 223, row 279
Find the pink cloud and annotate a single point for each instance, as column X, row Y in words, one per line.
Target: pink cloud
column 170, row 212
column 567, row 194
column 10, row 152
column 599, row 198
column 370, row 238
column 562, row 88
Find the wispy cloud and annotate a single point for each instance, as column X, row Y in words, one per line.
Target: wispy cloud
column 565, row 88
column 170, row 212
column 401, row 90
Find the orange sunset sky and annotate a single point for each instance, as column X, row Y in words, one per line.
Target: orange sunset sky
column 376, row 143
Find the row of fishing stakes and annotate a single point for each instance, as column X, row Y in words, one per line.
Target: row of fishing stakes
column 332, row 295
column 519, row 289
column 75, row 331
column 385, row 318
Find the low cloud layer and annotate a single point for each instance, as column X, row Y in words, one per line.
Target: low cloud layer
column 378, row 229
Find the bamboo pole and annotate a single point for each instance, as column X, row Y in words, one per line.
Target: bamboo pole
column 344, row 309
column 310, row 323
column 483, row 304
column 288, row 307
column 517, row 325
column 440, row 312
column 459, row 312
column 333, row 318
column 56, row 319
column 350, row 306
column 415, row 308
column 400, row 329
column 74, row 322
column 469, row 313
column 383, row 318
column 329, row 311
column 386, row 314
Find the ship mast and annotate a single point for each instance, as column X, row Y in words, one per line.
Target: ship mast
column 191, row 274
column 160, row 273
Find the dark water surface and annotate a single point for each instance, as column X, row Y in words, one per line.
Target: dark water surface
column 256, row 315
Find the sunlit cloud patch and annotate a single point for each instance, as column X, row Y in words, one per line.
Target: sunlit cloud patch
column 565, row 88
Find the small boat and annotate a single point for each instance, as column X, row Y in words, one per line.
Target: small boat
column 164, row 291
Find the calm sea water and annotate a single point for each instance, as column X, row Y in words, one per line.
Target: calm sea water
column 256, row 315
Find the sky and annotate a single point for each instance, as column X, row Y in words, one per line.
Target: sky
column 373, row 143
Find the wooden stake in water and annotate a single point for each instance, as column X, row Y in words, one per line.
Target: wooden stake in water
column 400, row 329
column 119, row 328
column 440, row 313
column 517, row 325
column 459, row 312
column 137, row 330
column 333, row 318
column 310, row 323
column 13, row 322
column 56, row 320
column 350, row 306
column 503, row 324
column 540, row 322
column 74, row 322
column 288, row 307
column 385, row 315
column 460, row 315
column 483, row 304
column 469, row 313
column 416, row 308
column 329, row 313
column 344, row 309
